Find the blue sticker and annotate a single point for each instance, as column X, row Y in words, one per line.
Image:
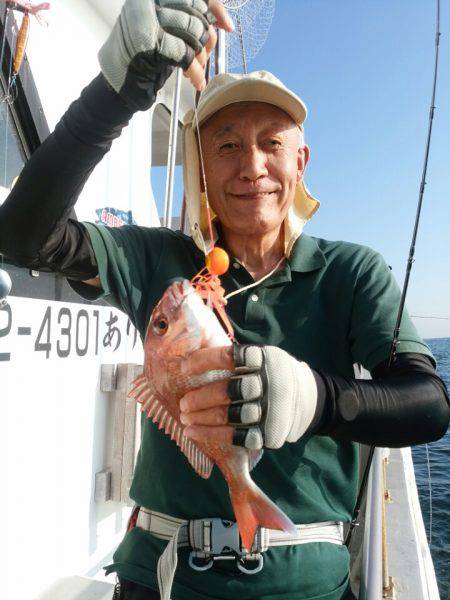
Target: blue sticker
column 113, row 217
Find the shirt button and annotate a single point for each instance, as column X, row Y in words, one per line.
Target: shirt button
column 254, row 297
column 236, row 265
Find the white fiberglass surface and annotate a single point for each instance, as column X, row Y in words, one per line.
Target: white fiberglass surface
column 56, row 435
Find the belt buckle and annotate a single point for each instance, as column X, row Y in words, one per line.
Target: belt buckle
column 220, row 540
column 223, row 537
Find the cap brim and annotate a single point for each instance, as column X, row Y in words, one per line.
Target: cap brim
column 253, row 91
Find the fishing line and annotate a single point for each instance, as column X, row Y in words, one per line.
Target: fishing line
column 10, row 87
column 395, row 340
column 209, row 219
column 208, row 210
column 207, row 204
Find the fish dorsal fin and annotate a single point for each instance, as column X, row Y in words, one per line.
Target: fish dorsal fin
column 152, row 404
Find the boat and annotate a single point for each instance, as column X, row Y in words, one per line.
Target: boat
column 70, row 436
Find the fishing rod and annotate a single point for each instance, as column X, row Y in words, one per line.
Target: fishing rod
column 395, row 340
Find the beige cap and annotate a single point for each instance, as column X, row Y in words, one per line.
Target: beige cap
column 223, row 90
column 260, row 86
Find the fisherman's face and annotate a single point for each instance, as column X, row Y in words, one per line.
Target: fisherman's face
column 252, row 164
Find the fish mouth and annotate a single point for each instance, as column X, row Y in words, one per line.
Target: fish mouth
column 179, row 290
column 188, row 337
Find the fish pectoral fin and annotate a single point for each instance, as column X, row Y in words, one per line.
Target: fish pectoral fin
column 198, row 460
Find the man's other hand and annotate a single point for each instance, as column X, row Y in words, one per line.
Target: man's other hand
column 271, row 398
column 150, row 37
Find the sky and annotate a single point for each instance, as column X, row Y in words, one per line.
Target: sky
column 364, row 70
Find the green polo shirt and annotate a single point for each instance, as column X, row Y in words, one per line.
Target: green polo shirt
column 333, row 305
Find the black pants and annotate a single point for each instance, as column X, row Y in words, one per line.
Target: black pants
column 134, row 591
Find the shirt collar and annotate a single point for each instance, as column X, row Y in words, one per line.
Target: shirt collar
column 306, row 255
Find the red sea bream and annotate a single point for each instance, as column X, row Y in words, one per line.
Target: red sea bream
column 181, row 323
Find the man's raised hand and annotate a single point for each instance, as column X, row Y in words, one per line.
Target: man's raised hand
column 151, row 37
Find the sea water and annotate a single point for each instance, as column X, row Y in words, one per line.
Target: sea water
column 439, row 453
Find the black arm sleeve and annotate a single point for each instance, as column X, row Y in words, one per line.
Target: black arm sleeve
column 405, row 405
column 35, row 229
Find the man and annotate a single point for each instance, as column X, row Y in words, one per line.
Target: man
column 321, row 307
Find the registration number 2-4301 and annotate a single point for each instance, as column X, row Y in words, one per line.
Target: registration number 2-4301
column 62, row 331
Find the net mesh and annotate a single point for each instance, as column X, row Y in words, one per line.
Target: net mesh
column 252, row 19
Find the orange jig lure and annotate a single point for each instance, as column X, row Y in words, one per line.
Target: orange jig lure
column 27, row 8
column 21, row 44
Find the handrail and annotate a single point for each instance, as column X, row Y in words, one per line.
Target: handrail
column 372, row 563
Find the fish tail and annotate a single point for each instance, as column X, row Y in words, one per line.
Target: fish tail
column 254, row 509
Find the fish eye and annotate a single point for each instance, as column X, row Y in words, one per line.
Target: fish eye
column 160, row 325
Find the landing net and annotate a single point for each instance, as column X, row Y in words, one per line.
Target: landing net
column 252, row 19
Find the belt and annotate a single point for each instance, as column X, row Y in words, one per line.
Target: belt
column 214, row 539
